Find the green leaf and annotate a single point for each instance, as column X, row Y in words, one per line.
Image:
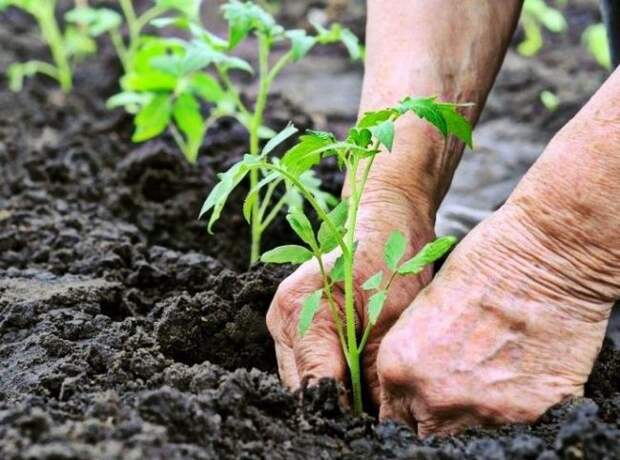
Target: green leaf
column 251, row 197
column 153, row 118
column 306, row 153
column 78, row 44
column 360, row 137
column 207, row 87
column 337, row 33
column 338, row 216
column 243, row 17
column 302, row 226
column 188, row 118
column 129, row 100
column 371, row 119
column 97, row 20
column 394, row 249
column 384, row 132
column 301, row 43
column 309, row 308
column 324, row 199
column 190, row 8
column 595, row 40
column 441, row 115
column 352, row 44
column 458, row 125
column 153, row 80
column 375, row 305
column 427, row 255
column 278, row 139
column 289, row 254
column 373, row 282
column 337, row 272
column 217, row 198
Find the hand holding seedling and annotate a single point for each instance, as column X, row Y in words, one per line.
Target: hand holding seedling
column 514, row 320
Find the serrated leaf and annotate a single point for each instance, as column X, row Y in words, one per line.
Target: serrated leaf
column 360, row 137
column 373, row 282
column 441, row 115
column 289, row 254
column 338, row 216
column 394, row 249
column 457, row 124
column 189, row 120
column 278, row 139
column 370, row 119
column 301, row 43
column 426, row 108
column 302, row 226
column 306, row 153
column 243, row 17
column 427, row 255
column 375, row 305
column 309, row 308
column 384, row 132
column 153, row 118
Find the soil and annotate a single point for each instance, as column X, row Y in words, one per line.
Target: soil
column 128, row 332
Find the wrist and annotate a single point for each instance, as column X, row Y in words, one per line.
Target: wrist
column 415, row 175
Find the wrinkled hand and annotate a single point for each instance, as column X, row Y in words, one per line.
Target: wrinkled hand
column 318, row 354
column 498, row 336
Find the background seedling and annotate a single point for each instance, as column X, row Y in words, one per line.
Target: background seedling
column 65, row 46
column 373, row 134
column 168, row 84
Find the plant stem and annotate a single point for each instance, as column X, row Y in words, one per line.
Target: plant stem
column 53, row 36
column 255, row 124
column 349, row 301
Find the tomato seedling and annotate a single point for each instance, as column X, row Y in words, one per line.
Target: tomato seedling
column 76, row 41
column 169, row 83
column 373, row 133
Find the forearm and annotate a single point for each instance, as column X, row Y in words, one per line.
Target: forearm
column 446, row 48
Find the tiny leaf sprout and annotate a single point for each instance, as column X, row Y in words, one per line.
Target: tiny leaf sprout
column 172, row 79
column 372, row 134
column 75, row 42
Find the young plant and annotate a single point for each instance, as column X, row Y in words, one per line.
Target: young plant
column 168, row 84
column 373, row 134
column 537, row 14
column 65, row 47
column 595, row 40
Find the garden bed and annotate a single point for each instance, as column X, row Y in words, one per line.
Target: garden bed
column 127, row 332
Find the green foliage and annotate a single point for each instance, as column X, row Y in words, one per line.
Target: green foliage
column 309, row 308
column 595, row 40
column 336, row 232
column 66, row 47
column 550, row 100
column 537, row 14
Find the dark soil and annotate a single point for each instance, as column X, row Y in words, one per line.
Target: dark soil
column 127, row 332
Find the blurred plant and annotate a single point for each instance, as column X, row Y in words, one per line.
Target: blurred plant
column 537, row 14
column 373, row 134
column 65, row 46
column 596, row 42
column 168, row 83
column 549, row 100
